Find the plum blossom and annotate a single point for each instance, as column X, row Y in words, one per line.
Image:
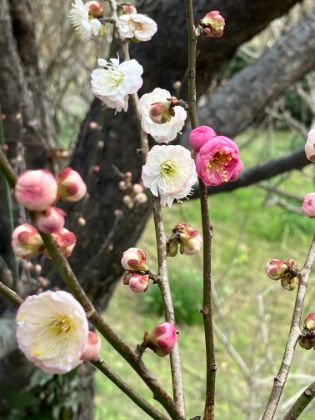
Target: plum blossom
column 162, row 339
column 26, row 241
column 66, row 241
column 137, row 26
column 93, row 347
column 218, row 161
column 162, row 133
column 200, row 136
column 83, row 19
column 115, row 81
column 71, row 186
column 169, row 173
column 213, row 24
column 50, row 220
column 310, row 145
column 134, row 259
column 309, row 205
column 52, row 331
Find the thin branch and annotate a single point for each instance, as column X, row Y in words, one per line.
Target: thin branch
column 206, row 224
column 128, row 390
column 10, row 294
column 301, row 403
column 281, row 378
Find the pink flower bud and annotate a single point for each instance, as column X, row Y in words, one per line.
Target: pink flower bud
column 218, row 161
column 141, row 198
column 134, row 259
column 95, row 9
column 137, row 188
column 309, row 322
column 93, row 347
column 189, row 239
column 66, row 241
column 71, row 186
column 26, row 241
column 213, row 24
column 161, row 112
column 275, row 269
column 138, row 283
column 310, row 146
column 162, row 339
column 309, row 205
column 36, row 190
column 50, row 220
column 128, row 9
column 200, row 135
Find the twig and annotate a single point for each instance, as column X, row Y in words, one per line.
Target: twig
column 281, row 378
column 10, row 294
column 128, row 390
column 301, row 403
column 206, row 225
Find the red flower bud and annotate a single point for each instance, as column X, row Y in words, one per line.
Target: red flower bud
column 162, row 339
column 213, row 24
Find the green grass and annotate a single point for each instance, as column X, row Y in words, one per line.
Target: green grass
column 246, row 234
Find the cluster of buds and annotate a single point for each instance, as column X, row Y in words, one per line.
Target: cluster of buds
column 38, row 190
column 307, row 339
column 184, row 237
column 162, row 112
column 135, row 194
column 286, row 271
column 212, row 24
column 162, row 339
column 134, row 261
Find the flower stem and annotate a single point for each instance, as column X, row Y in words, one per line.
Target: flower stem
column 206, row 224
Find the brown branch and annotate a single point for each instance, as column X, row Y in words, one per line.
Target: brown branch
column 301, row 403
column 206, row 224
column 281, row 378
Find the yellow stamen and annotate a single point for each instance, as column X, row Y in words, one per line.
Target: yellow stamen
column 167, row 168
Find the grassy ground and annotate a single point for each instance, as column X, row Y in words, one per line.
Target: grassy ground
column 247, row 233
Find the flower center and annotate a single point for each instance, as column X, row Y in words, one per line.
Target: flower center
column 168, row 168
column 218, row 163
column 61, row 324
column 114, row 75
column 136, row 26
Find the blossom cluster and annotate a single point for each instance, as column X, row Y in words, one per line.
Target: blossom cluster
column 38, row 190
column 285, row 271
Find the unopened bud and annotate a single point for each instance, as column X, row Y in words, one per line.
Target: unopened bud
column 310, row 146
column 275, row 269
column 309, row 322
column 26, row 241
column 128, row 201
column 137, row 188
column 161, row 112
column 172, row 248
column 81, row 221
column 134, row 259
column 289, row 283
column 162, row 339
column 122, row 185
column 189, row 239
column 213, row 24
column 128, row 9
column 92, row 347
column 309, row 205
column 66, row 241
column 71, row 186
column 200, row 136
column 95, row 9
column 307, row 340
column 50, row 220
column 141, row 198
column 138, row 283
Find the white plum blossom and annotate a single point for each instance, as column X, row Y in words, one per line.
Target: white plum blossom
column 115, row 81
column 52, row 331
column 162, row 133
column 169, row 172
column 85, row 25
column 136, row 26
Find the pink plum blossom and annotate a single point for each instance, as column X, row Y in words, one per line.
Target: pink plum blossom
column 190, row 240
column 310, row 146
column 36, row 189
column 92, row 348
column 309, row 205
column 134, row 259
column 213, row 24
column 138, row 283
column 26, row 241
column 50, row 220
column 136, row 26
column 162, row 339
column 275, row 269
column 52, row 331
column 218, row 161
column 71, row 186
column 200, row 135
column 66, row 241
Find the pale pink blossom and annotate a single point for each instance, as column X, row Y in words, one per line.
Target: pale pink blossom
column 190, row 240
column 92, row 348
column 52, row 331
column 213, row 24
column 84, row 18
column 200, row 136
column 310, row 146
column 218, row 161
column 170, row 173
column 36, row 190
column 134, row 259
column 275, row 269
column 309, row 205
column 136, row 26
column 71, row 186
column 138, row 283
column 162, row 339
column 66, row 241
column 26, row 241
column 161, row 132
column 50, row 220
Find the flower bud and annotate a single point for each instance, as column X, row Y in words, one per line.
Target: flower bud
column 189, row 239
column 162, row 339
column 128, row 9
column 134, row 259
column 26, row 241
column 141, row 198
column 310, row 146
column 309, row 322
column 71, row 186
column 213, row 24
column 161, row 112
column 307, row 340
column 92, row 348
column 138, row 283
column 275, row 269
column 36, row 190
column 50, row 220
column 309, row 205
column 128, row 201
column 172, row 248
column 95, row 9
column 200, row 135
column 66, row 241
column 289, row 283
column 137, row 188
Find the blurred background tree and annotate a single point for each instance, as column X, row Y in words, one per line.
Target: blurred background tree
column 257, row 82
